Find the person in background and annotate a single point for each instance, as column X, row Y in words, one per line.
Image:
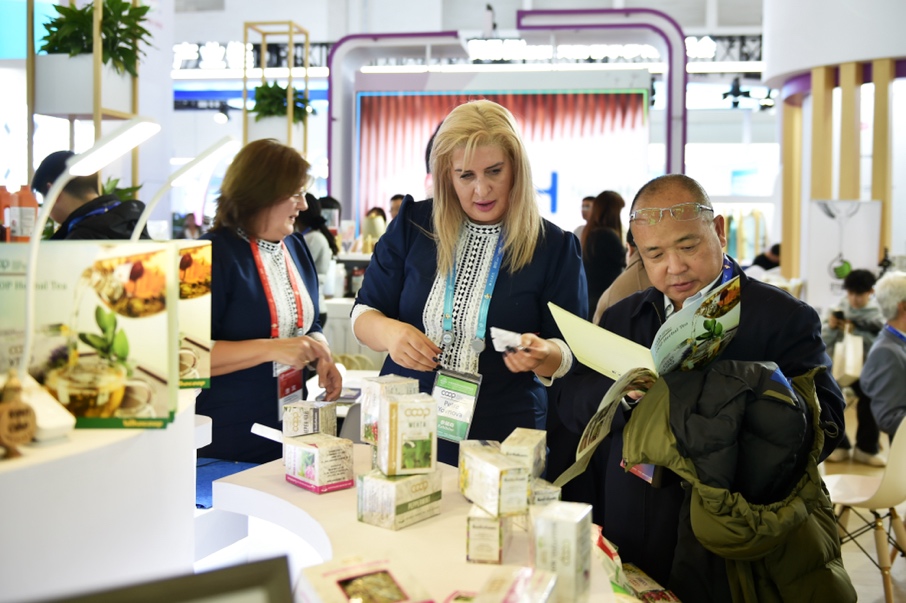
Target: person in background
column 81, row 211
column 587, row 202
column 377, row 212
column 321, row 244
column 883, row 376
column 680, row 241
column 264, row 303
column 633, row 278
column 481, row 254
column 859, row 311
column 395, row 202
column 769, row 258
column 603, row 252
column 190, row 228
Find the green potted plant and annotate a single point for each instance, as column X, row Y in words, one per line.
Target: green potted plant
column 270, row 101
column 68, row 42
column 122, row 30
column 127, row 193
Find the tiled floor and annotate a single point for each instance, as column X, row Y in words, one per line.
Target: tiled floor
column 865, row 576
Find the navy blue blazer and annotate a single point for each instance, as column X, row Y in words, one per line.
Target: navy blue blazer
column 239, row 312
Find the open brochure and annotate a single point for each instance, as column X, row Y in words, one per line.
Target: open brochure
column 690, row 339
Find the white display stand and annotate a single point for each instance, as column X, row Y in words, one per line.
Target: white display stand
column 101, row 508
column 433, row 550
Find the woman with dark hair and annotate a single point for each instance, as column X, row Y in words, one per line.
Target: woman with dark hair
column 603, row 251
column 264, row 303
column 321, row 244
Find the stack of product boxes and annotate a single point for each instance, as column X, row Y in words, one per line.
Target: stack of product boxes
column 401, row 425
column 313, row 456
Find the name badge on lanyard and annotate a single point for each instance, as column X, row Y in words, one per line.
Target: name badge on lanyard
column 456, row 395
column 289, row 379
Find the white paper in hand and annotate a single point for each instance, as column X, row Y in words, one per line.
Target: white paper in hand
column 504, row 339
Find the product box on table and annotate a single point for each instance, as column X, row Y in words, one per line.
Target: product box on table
column 374, row 389
column 542, row 493
column 562, row 544
column 360, row 579
column 318, row 462
column 528, row 446
column 487, row 537
column 408, row 434
column 494, row 482
column 644, row 587
column 492, row 444
column 302, row 418
column 523, row 584
column 394, row 502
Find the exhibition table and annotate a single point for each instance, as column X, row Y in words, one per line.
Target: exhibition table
column 433, row 550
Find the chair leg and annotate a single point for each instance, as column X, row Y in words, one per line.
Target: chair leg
column 899, row 532
column 883, row 557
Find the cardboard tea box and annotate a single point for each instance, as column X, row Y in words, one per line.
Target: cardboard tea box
column 487, row 537
column 523, row 584
column 374, row 389
column 318, row 462
column 408, row 434
column 644, row 586
column 494, row 445
column 302, row 418
column 542, row 493
column 494, row 481
column 396, row 502
column 528, row 446
column 562, row 544
column 360, row 579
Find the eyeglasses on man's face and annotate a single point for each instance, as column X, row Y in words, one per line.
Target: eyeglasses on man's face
column 681, row 213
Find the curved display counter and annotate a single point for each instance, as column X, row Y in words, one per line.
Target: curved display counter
column 434, row 550
column 99, row 508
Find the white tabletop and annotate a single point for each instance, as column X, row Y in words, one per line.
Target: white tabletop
column 433, row 550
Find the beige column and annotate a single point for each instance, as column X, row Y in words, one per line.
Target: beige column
column 850, row 130
column 882, row 74
column 791, row 160
column 822, row 132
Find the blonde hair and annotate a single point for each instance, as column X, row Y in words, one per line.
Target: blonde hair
column 469, row 126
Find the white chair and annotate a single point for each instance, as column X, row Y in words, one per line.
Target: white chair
column 879, row 494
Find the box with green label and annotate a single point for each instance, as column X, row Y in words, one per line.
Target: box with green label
column 374, row 389
column 396, row 502
column 301, row 418
column 407, row 425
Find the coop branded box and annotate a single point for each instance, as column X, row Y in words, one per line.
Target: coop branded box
column 407, row 425
column 528, row 446
column 318, row 462
column 301, row 418
column 394, row 502
column 360, row 579
column 562, row 544
column 487, row 537
column 494, row 482
column 508, row 584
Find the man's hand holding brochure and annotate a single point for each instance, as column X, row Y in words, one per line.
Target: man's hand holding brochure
column 690, row 339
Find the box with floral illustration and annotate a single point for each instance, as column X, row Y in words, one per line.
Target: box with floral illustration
column 194, row 309
column 494, row 482
column 318, row 462
column 105, row 344
column 374, row 389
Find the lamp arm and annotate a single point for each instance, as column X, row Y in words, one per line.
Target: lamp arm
column 31, row 268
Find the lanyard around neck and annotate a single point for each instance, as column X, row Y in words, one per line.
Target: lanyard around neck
column 269, row 294
column 895, row 332
column 478, row 341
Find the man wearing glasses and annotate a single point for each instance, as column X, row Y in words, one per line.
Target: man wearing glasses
column 681, row 242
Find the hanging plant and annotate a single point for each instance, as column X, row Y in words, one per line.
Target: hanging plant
column 122, row 30
column 270, row 101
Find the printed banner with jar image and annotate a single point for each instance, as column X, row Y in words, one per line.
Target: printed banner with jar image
column 194, row 271
column 105, row 344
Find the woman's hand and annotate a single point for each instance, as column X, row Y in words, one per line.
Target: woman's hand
column 534, row 354
column 298, row 352
column 329, row 378
column 410, row 348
